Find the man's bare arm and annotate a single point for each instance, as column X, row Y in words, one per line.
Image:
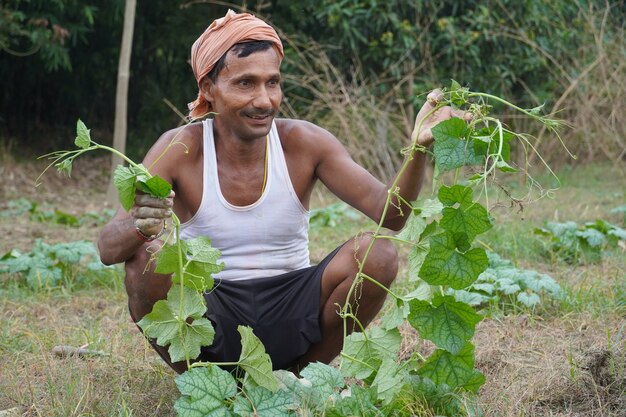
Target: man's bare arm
column 357, row 187
column 122, row 236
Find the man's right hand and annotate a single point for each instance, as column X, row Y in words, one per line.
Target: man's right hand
column 151, row 213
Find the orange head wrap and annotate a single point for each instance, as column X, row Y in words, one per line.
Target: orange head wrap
column 219, row 37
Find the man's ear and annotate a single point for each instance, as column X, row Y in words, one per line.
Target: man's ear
column 206, row 88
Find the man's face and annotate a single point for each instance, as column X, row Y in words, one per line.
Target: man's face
column 246, row 94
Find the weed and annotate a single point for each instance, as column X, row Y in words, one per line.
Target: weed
column 59, row 265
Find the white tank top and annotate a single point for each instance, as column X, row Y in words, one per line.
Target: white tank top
column 263, row 239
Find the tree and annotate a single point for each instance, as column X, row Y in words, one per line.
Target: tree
column 121, row 95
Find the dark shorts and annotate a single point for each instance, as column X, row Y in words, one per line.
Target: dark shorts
column 282, row 310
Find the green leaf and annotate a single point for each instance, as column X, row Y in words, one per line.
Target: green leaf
column 476, row 381
column 487, row 142
column 446, row 265
column 389, row 380
column 204, row 391
column 447, row 322
column 469, row 218
column 255, row 361
column 157, row 187
column 359, row 402
column 529, row 299
column 300, row 389
column 413, row 228
column 422, row 291
column 451, row 149
column 83, row 138
column 395, row 315
column 363, row 353
column 199, row 260
column 458, row 94
column 325, row 380
column 168, row 322
column 416, row 224
column 65, row 167
column 261, row 402
column 442, row 367
column 457, row 194
column 453, row 128
column 124, row 180
column 167, row 259
column 416, row 257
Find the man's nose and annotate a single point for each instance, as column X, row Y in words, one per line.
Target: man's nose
column 262, row 99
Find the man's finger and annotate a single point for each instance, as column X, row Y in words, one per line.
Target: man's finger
column 149, row 201
column 150, row 227
column 462, row 114
column 151, row 212
column 434, row 97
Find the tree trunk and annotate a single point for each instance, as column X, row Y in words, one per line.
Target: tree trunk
column 121, row 95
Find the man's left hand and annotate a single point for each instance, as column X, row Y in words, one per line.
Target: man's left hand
column 430, row 118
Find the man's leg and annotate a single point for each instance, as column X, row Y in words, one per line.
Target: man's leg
column 144, row 288
column 381, row 264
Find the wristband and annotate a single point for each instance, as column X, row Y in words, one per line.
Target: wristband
column 147, row 238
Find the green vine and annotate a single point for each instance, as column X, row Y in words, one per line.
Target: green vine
column 439, row 233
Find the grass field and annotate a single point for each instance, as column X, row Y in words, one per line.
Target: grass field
column 564, row 357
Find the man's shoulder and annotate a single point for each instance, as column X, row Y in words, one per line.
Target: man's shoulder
column 182, row 140
column 302, row 133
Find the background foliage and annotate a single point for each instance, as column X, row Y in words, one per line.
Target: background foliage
column 58, row 62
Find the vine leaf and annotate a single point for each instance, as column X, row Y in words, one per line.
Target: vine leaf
column 395, row 316
column 255, row 361
column 204, row 391
column 452, row 149
column 389, row 380
column 181, row 326
column 83, row 138
column 487, row 141
column 450, row 262
column 417, row 253
column 129, row 179
column 199, row 263
column 124, row 180
column 154, row 185
column 261, row 402
column 468, row 217
column 446, row 322
column 416, row 224
column 363, row 353
column 358, row 401
column 458, row 94
column 325, row 380
column 456, row 371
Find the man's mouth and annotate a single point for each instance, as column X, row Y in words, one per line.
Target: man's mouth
column 259, row 116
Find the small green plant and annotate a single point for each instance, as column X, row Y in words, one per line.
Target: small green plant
column 331, row 215
column 581, row 244
column 621, row 210
column 503, row 284
column 441, row 234
column 49, row 266
column 22, row 206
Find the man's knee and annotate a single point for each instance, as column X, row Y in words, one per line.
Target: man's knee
column 143, row 286
column 382, row 259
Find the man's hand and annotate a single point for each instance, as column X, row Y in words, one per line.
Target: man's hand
column 425, row 136
column 151, row 213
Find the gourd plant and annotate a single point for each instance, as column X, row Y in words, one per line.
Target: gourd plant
column 441, row 233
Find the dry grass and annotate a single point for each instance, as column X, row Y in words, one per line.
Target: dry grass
column 42, row 384
column 372, row 127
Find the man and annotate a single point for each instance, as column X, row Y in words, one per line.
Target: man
column 244, row 179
